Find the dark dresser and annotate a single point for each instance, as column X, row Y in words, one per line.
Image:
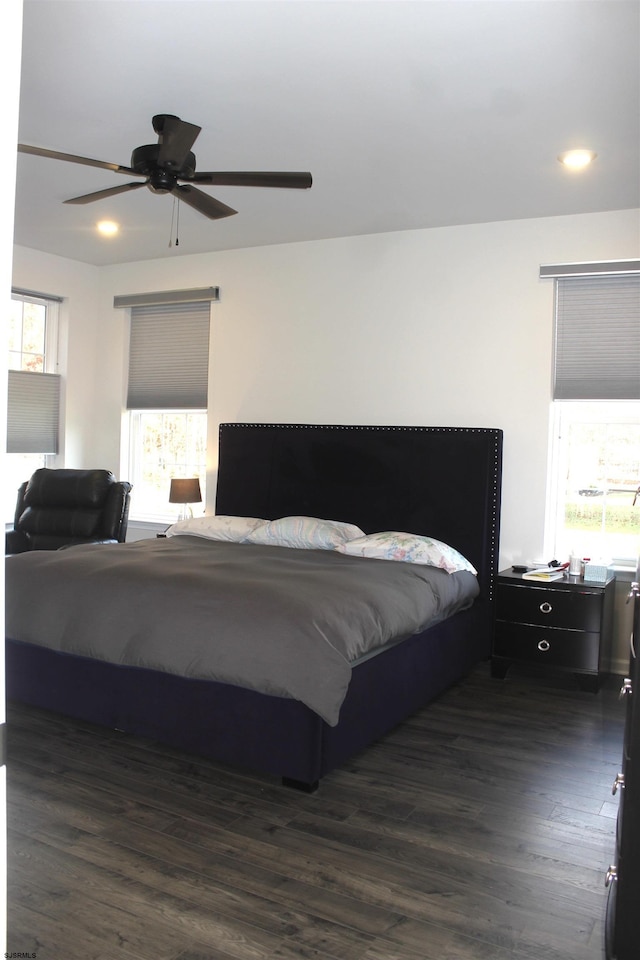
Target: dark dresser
column 622, row 926
column 561, row 625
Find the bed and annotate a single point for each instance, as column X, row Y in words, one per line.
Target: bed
column 436, row 482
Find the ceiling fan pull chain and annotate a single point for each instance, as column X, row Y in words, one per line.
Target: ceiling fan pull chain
column 173, row 210
column 174, row 220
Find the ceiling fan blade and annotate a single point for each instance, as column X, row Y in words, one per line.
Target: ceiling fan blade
column 176, row 139
column 202, row 202
column 109, row 192
column 72, row 158
column 294, row 181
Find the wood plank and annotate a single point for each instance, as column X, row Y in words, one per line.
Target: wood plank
column 478, row 830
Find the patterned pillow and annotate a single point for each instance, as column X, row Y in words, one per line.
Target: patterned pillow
column 306, row 533
column 408, row 548
column 221, row 527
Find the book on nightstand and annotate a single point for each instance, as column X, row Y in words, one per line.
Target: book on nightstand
column 546, row 573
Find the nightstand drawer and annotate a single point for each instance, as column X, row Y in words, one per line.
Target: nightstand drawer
column 548, row 647
column 575, row 609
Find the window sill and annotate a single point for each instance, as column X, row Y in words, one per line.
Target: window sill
column 625, row 571
column 146, row 529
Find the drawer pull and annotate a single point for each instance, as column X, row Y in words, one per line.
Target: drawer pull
column 626, row 688
column 611, row 875
column 545, row 607
column 618, row 782
column 543, row 646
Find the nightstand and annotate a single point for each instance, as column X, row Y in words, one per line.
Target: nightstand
column 562, row 625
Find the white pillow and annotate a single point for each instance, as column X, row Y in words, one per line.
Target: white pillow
column 409, row 548
column 234, row 529
column 306, row 533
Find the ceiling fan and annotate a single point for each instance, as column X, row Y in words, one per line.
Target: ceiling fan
column 169, row 166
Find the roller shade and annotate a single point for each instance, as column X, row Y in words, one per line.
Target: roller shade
column 169, row 357
column 33, row 412
column 597, row 338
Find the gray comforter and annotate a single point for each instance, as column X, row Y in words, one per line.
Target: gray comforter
column 285, row 622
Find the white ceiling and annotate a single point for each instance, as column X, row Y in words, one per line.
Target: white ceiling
column 408, row 114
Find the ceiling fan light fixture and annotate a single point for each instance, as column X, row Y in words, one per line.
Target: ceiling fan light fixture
column 577, row 159
column 108, row 228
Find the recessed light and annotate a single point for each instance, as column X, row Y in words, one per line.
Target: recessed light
column 108, row 228
column 577, row 159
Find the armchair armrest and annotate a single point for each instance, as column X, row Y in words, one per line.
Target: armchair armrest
column 16, row 542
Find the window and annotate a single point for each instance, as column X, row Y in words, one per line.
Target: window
column 594, row 490
column 167, row 400
column 164, row 444
column 28, row 330
column 34, row 391
column 595, row 508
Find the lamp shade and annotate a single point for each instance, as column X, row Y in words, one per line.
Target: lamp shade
column 185, row 491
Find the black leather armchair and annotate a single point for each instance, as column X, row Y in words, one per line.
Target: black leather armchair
column 58, row 508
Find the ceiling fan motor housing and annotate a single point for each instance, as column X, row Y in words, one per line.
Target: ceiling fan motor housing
column 144, row 160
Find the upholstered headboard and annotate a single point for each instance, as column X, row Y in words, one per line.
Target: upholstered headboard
column 444, row 482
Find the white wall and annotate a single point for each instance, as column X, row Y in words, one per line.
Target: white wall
column 449, row 326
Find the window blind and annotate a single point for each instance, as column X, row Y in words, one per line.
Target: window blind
column 597, row 338
column 169, row 357
column 33, row 412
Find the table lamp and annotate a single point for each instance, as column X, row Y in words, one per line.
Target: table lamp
column 185, row 492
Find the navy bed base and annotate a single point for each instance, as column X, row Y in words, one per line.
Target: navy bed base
column 311, row 464
column 243, row 728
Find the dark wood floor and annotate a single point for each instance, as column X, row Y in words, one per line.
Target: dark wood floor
column 479, row 830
